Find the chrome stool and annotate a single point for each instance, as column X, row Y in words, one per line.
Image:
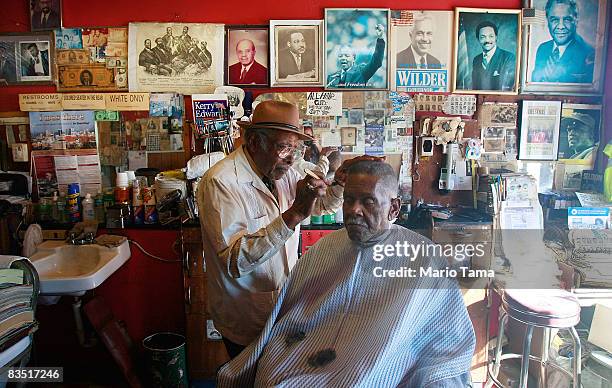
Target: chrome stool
column 548, row 309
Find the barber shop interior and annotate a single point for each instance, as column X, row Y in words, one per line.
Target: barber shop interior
column 306, row 194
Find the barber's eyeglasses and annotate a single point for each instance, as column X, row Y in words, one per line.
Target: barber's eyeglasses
column 283, row 151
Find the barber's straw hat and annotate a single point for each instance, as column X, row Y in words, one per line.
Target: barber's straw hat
column 278, row 115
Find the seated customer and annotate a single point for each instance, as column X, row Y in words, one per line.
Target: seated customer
column 337, row 324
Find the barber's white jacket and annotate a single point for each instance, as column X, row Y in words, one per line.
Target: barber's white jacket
column 248, row 249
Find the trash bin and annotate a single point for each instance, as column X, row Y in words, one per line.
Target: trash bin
column 165, row 360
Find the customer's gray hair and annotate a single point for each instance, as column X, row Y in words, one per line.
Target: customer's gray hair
column 383, row 171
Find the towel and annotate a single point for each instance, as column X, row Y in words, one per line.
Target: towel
column 110, row 240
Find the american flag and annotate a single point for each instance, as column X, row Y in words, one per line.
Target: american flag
column 464, row 75
column 532, row 16
column 402, row 18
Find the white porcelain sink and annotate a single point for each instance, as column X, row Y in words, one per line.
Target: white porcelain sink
column 66, row 269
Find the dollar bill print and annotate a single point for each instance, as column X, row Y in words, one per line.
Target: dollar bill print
column 113, row 62
column 85, row 78
column 71, row 57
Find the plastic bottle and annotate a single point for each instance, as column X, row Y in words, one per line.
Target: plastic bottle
column 150, row 208
column 72, row 202
column 61, row 209
column 44, row 209
column 54, row 211
column 89, row 211
column 122, row 191
column 99, row 208
column 137, row 201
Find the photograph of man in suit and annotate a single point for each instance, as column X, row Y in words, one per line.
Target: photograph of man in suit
column 38, row 62
column 45, row 17
column 353, row 75
column 247, row 70
column 151, row 61
column 296, row 60
column 494, row 68
column 417, row 55
column 8, row 72
column 566, row 57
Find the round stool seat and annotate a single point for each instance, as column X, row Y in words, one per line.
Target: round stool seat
column 550, row 308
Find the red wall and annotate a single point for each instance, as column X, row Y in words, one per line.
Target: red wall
column 79, row 13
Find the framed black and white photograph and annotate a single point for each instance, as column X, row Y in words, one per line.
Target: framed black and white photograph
column 421, row 50
column 487, row 47
column 356, row 48
column 580, row 133
column 564, row 46
column 26, row 59
column 539, row 130
column 184, row 58
column 246, row 56
column 296, row 52
column 45, row 14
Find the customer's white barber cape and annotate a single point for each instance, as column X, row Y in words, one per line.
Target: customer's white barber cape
column 248, row 249
column 337, row 323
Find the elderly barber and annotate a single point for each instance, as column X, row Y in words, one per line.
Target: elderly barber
column 350, row 316
column 251, row 204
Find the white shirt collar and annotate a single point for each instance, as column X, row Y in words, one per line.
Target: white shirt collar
column 490, row 54
column 561, row 48
column 417, row 57
column 248, row 67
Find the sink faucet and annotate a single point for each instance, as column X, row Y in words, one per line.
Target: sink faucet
column 88, row 238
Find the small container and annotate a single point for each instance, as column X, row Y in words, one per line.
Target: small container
column 89, row 210
column 99, row 207
column 62, row 217
column 109, row 198
column 72, row 202
column 316, row 220
column 150, row 209
column 137, row 201
column 122, row 190
column 45, row 209
column 329, row 219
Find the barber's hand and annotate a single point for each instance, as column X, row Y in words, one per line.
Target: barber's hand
column 341, row 172
column 307, row 192
column 380, row 31
column 328, row 150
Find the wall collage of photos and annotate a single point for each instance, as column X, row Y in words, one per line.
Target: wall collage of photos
column 549, row 47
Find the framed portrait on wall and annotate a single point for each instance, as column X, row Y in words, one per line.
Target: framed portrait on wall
column 539, row 130
column 185, row 58
column 45, row 14
column 421, row 50
column 487, row 47
column 246, row 56
column 580, row 133
column 27, row 59
column 296, row 52
column 356, row 48
column 565, row 46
